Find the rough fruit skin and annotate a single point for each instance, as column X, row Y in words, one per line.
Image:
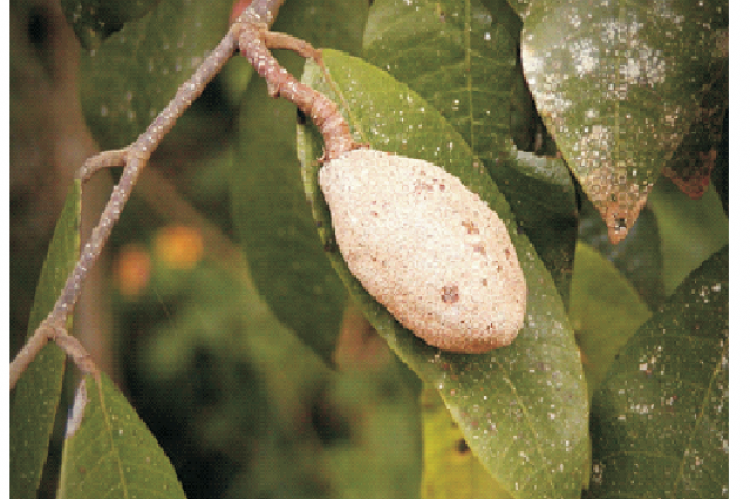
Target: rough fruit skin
column 428, row 249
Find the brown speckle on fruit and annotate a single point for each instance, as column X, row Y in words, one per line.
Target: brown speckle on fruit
column 450, row 294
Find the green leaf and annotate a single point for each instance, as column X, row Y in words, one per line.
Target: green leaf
column 462, row 58
column 109, row 451
column 522, row 408
column 37, row 394
column 130, row 77
column 660, row 421
column 283, row 251
column 451, row 470
column 94, row 20
column 278, row 233
column 605, row 311
column 619, row 85
column 542, row 195
column 690, row 231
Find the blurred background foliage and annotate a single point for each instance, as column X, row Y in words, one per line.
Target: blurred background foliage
column 169, row 309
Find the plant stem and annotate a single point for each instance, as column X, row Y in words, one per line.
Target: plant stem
column 254, row 42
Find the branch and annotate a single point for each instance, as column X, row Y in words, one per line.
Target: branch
column 134, row 159
column 249, row 34
column 43, row 334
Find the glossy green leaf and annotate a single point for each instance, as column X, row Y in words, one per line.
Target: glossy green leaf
column 37, row 394
column 605, row 311
column 459, row 56
column 109, row 451
column 462, row 58
column 451, row 470
column 619, row 85
column 94, row 20
column 522, row 408
column 278, row 233
column 130, row 77
column 660, row 421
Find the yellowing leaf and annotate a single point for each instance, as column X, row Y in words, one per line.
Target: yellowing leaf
column 451, row 470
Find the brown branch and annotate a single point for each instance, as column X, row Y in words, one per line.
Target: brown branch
column 43, row 334
column 254, row 41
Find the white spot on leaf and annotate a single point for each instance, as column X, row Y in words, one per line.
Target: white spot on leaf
column 75, row 415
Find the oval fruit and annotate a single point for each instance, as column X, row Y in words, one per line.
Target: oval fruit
column 428, row 249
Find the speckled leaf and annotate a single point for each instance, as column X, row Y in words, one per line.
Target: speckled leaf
column 130, row 77
column 522, row 408
column 462, row 57
column 109, row 451
column 660, row 421
column 37, row 394
column 281, row 243
column 620, row 84
column 95, row 20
